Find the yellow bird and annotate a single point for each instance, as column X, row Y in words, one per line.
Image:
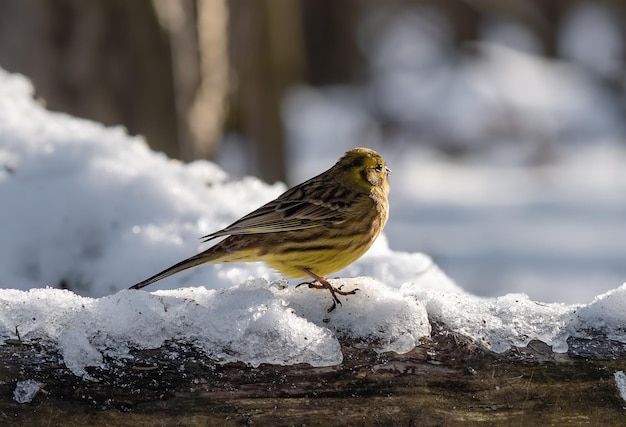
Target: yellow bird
column 312, row 229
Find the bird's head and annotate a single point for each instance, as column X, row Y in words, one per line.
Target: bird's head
column 365, row 169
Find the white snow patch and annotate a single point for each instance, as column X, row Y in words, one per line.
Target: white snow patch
column 25, row 391
column 604, row 316
column 498, row 323
column 620, row 382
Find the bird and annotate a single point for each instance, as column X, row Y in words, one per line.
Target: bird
column 311, row 230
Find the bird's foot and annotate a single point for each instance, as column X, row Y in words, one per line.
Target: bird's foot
column 322, row 283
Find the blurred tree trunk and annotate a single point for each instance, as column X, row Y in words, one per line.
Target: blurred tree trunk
column 547, row 21
column 465, row 19
column 105, row 60
column 331, row 52
column 266, row 55
column 179, row 20
column 199, row 42
column 233, row 62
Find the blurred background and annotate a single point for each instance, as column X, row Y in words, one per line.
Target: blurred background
column 503, row 121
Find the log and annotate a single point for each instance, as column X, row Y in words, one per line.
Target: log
column 447, row 380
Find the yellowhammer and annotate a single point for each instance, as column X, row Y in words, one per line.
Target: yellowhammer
column 312, row 229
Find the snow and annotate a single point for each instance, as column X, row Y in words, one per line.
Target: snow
column 620, row 382
column 92, row 209
column 26, row 390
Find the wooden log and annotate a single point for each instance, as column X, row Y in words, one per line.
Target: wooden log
column 448, row 380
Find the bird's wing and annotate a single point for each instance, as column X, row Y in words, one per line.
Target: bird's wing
column 286, row 214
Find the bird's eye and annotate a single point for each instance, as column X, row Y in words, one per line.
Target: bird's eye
column 379, row 167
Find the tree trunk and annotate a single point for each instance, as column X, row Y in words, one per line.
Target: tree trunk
column 105, row 60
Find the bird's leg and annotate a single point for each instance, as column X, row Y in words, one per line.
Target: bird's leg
column 321, row 283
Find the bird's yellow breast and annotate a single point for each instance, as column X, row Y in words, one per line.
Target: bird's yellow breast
column 327, row 250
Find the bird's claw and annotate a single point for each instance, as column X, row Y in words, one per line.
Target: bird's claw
column 340, row 292
column 312, row 285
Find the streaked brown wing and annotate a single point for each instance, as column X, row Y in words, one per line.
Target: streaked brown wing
column 289, row 212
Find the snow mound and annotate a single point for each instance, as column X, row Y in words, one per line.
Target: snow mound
column 254, row 322
column 604, row 316
column 498, row 323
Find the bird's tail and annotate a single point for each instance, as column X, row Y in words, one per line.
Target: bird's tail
column 198, row 259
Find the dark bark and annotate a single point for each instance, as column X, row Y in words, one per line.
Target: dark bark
column 447, row 380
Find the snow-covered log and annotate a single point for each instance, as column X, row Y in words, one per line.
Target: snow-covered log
column 448, row 379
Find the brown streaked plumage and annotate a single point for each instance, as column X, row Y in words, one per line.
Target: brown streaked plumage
column 311, row 230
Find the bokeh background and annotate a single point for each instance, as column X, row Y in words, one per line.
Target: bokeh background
column 503, row 121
